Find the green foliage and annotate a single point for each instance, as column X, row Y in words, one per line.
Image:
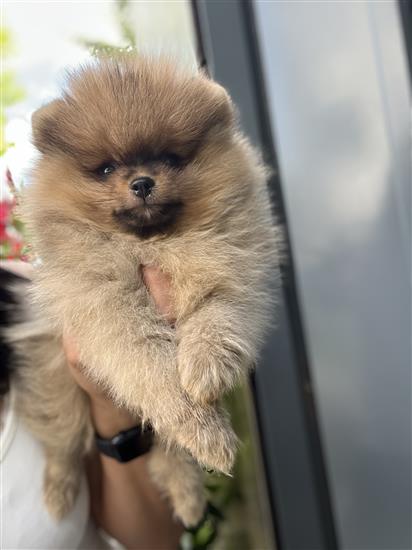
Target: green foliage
column 101, row 48
column 5, row 42
column 202, row 536
column 11, row 91
column 123, row 14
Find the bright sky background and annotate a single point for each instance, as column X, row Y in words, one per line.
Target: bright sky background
column 45, row 36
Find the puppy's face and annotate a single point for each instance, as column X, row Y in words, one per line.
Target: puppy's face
column 138, row 146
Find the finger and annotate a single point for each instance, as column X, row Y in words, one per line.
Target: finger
column 159, row 286
column 70, row 350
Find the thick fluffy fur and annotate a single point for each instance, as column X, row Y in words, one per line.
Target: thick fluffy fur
column 206, row 223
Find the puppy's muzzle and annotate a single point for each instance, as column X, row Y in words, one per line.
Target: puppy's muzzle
column 142, row 187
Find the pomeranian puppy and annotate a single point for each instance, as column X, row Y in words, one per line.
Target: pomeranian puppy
column 143, row 163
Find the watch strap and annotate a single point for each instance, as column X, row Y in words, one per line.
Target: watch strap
column 128, row 444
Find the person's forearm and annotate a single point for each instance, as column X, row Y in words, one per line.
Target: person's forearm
column 125, row 503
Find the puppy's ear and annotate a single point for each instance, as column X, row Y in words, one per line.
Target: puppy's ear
column 222, row 111
column 45, row 127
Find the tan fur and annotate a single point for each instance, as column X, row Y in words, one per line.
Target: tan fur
column 219, row 249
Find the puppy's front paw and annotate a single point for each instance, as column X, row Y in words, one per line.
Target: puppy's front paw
column 209, row 438
column 208, row 370
column 61, row 486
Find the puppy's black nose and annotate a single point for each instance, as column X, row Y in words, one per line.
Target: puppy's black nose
column 142, row 187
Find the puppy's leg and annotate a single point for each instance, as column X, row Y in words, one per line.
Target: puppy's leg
column 72, row 435
column 62, row 478
column 181, row 481
column 55, row 410
column 146, row 382
column 66, row 435
column 217, row 346
column 132, row 353
column 203, row 430
column 207, row 435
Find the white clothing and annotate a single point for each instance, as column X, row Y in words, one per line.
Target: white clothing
column 24, row 520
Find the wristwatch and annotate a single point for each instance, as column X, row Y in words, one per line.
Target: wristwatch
column 128, row 444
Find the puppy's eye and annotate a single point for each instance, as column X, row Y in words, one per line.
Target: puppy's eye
column 106, row 169
column 171, row 159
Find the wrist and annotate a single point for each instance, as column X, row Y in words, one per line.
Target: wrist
column 108, row 420
column 126, row 445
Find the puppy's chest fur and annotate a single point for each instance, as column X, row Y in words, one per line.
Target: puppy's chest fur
column 77, row 262
column 197, row 265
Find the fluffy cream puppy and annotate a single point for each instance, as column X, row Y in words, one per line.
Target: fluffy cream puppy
column 143, row 163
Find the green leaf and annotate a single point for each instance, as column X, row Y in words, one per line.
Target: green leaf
column 11, row 92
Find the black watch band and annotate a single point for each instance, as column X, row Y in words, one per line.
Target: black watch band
column 128, row 444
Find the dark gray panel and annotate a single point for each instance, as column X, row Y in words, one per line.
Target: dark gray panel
column 340, row 99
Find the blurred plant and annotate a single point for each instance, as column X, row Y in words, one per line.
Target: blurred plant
column 12, row 237
column 127, row 33
column 11, row 92
column 233, row 520
column 13, row 244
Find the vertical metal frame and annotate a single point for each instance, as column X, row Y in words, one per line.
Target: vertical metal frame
column 284, row 403
column 405, row 8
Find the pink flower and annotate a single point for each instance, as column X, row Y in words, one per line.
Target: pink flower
column 6, row 208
